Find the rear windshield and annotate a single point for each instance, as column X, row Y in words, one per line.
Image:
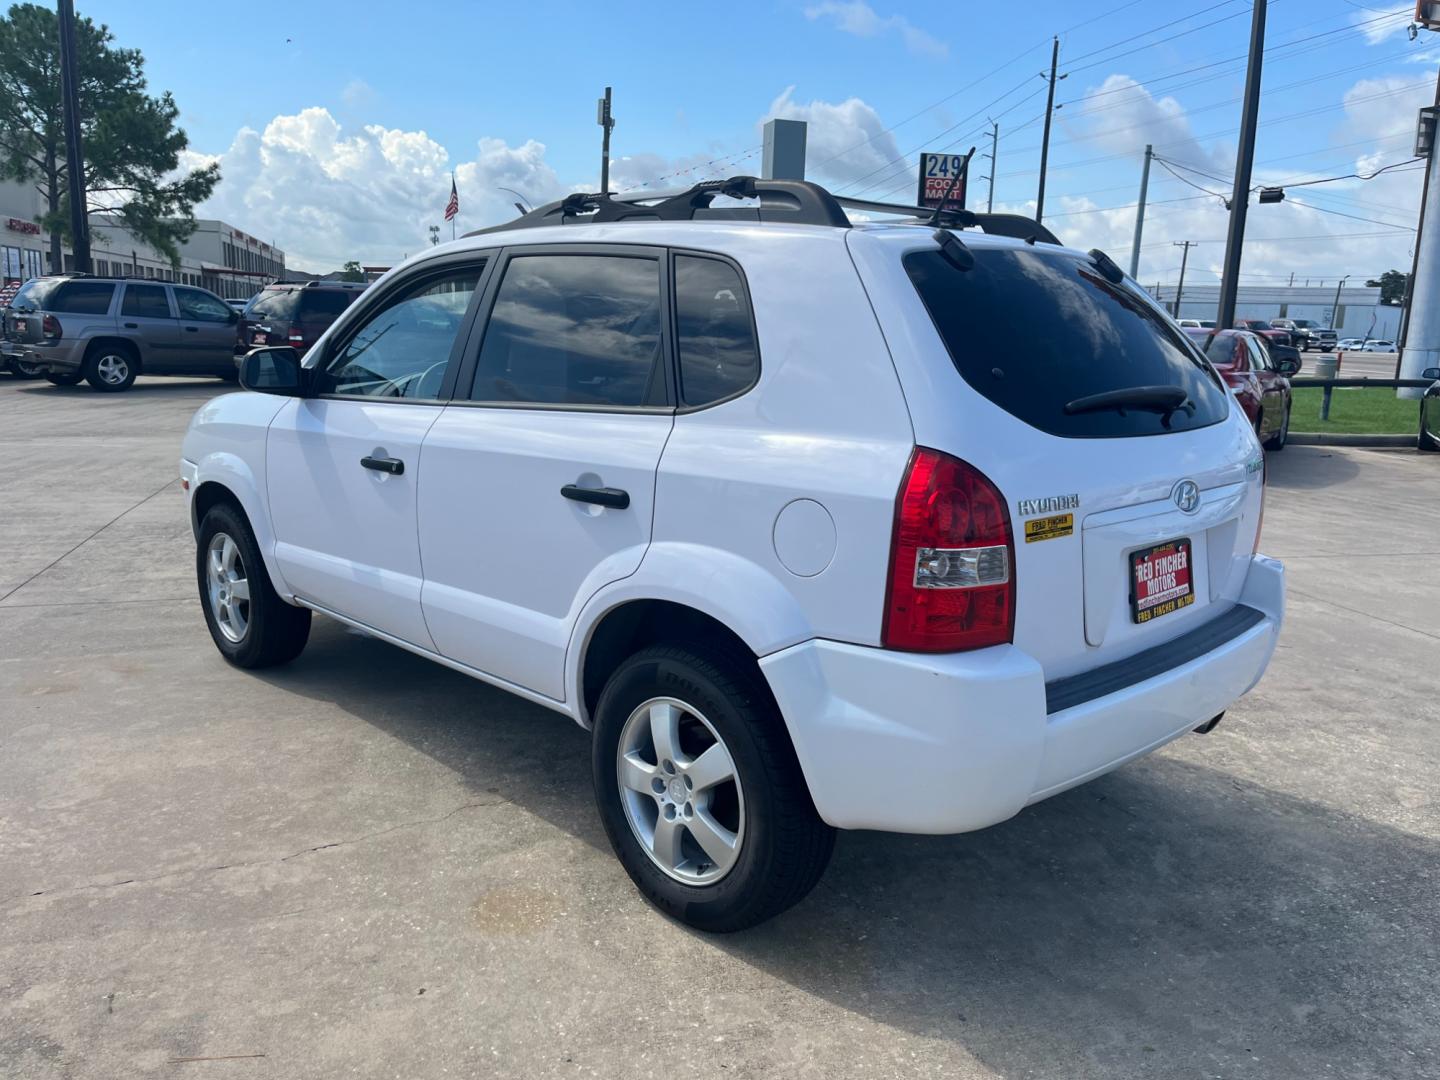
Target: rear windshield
column 326, row 303
column 1033, row 331
column 33, row 293
column 273, row 304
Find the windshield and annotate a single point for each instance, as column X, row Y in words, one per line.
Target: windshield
column 1034, row 331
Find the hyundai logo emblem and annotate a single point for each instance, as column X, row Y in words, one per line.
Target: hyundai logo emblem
column 1187, row 496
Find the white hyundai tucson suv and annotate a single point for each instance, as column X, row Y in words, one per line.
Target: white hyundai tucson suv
column 814, row 524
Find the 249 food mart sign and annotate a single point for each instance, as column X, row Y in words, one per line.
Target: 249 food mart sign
column 938, row 172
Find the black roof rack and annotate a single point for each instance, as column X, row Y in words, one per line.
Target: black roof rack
column 799, row 202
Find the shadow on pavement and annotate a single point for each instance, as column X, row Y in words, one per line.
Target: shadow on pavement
column 1308, row 468
column 1166, row 920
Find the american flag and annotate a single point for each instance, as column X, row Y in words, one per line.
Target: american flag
column 453, row 206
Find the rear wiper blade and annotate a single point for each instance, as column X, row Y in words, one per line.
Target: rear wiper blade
column 1161, row 399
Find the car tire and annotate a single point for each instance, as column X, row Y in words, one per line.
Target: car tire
column 111, row 368
column 765, row 846
column 63, row 378
column 1428, row 441
column 1281, row 437
column 249, row 622
column 23, row 370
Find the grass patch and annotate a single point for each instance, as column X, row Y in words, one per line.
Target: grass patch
column 1361, row 411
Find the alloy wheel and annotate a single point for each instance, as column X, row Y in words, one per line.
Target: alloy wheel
column 680, row 790
column 113, row 369
column 228, row 587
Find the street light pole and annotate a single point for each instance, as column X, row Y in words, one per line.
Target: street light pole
column 1240, row 197
column 1335, row 308
column 74, row 161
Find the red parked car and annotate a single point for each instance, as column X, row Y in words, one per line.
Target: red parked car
column 295, row 314
column 1260, row 383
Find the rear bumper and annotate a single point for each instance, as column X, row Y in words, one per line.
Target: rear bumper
column 58, row 359
column 943, row 744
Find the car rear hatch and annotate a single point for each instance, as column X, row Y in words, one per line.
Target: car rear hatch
column 24, row 321
column 1133, row 494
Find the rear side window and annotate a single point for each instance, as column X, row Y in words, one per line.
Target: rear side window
column 326, row 303
column 574, row 330
column 1221, row 350
column 1034, row 331
column 715, row 335
column 145, row 301
column 82, row 298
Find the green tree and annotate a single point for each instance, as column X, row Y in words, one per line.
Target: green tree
column 1391, row 285
column 351, row 272
column 131, row 143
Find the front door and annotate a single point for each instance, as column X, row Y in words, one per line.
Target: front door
column 343, row 466
column 145, row 316
column 539, row 488
column 207, row 330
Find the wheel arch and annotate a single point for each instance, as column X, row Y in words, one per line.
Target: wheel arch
column 125, row 345
column 228, row 480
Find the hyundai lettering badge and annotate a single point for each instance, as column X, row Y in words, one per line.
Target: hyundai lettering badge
column 1187, row 496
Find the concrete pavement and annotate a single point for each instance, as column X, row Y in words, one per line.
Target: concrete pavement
column 367, row 865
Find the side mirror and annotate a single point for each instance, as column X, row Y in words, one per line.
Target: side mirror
column 274, row 370
column 1430, row 373
column 1287, row 366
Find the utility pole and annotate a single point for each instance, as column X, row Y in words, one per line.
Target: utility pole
column 994, row 153
column 1045, row 139
column 606, row 121
column 1240, row 197
column 1140, row 211
column 74, row 162
column 1335, row 308
column 1184, row 258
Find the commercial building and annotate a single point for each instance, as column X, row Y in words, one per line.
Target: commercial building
column 218, row 256
column 1360, row 312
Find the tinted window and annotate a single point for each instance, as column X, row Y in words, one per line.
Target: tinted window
column 32, row 295
column 327, row 303
column 1259, row 356
column 401, row 351
column 279, row 304
column 82, row 298
column 1034, row 330
column 201, row 306
column 715, row 335
column 145, row 301
column 1221, row 349
column 573, row 330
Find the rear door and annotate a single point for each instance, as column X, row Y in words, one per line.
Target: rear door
column 344, row 466
column 207, row 329
column 147, row 318
column 1271, row 385
column 540, row 477
column 1037, row 350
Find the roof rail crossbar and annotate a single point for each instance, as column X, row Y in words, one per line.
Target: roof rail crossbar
column 796, row 201
column 1016, row 226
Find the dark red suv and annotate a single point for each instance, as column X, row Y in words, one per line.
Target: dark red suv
column 295, row 314
column 1259, row 381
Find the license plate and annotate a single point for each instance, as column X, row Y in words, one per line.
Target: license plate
column 1160, row 580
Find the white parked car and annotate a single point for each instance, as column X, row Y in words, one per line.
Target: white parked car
column 814, row 526
column 1197, row 324
column 1351, row 344
column 1375, row 345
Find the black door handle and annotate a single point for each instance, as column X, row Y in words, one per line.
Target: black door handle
column 393, row 466
column 192, row 329
column 614, row 498
column 132, row 326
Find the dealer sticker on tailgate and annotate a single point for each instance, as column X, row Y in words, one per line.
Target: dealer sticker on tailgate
column 1160, row 580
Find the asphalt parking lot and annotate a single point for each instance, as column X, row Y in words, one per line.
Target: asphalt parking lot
column 367, row 865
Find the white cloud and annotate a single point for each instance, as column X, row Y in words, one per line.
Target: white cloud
column 846, row 140
column 859, row 18
column 326, row 195
column 1120, row 116
column 357, row 94
column 1377, row 29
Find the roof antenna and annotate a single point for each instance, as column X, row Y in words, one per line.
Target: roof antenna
column 949, row 191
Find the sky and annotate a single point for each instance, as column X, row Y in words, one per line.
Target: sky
column 337, row 127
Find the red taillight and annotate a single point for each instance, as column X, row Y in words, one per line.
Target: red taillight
column 50, row 326
column 952, row 556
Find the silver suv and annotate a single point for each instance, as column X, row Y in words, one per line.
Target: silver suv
column 108, row 330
